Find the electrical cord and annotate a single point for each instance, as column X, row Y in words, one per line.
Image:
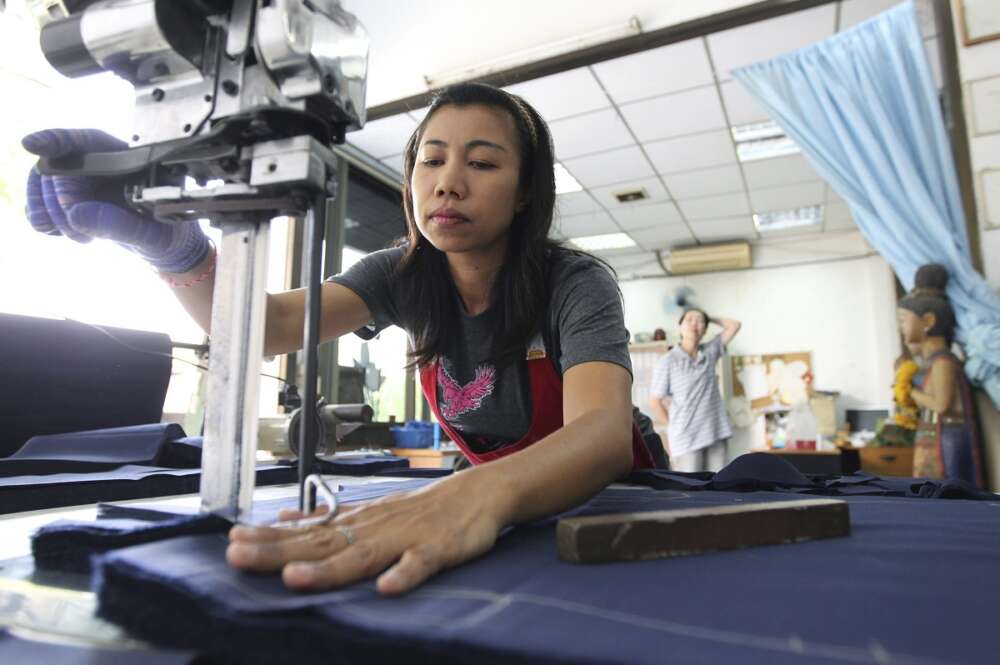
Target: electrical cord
column 104, row 331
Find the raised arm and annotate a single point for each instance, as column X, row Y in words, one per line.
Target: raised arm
column 729, row 328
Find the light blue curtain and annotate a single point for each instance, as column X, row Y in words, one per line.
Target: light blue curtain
column 863, row 108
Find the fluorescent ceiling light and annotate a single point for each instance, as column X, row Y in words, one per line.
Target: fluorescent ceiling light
column 780, row 220
column 756, row 130
column 565, row 182
column 750, row 151
column 604, row 241
column 529, row 56
column 762, row 140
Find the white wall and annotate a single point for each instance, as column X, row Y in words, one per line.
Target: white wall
column 841, row 310
column 979, row 68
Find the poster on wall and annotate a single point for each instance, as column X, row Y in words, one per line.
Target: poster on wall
column 773, row 381
column 980, row 21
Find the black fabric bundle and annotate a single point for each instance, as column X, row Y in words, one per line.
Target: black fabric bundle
column 62, row 376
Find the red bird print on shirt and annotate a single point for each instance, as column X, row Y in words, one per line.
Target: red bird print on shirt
column 462, row 399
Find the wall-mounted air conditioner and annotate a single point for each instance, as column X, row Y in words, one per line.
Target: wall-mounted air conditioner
column 709, row 258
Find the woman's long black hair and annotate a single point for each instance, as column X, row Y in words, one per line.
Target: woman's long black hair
column 429, row 304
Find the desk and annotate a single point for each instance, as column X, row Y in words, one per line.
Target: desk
column 914, row 584
column 429, row 458
column 887, row 460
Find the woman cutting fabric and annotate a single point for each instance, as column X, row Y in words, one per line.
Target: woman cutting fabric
column 520, row 342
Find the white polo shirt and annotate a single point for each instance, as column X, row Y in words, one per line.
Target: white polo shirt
column 697, row 416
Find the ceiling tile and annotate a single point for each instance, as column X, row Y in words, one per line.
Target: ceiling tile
column 609, row 254
column 636, row 264
column 837, row 217
column 643, row 217
column 589, row 133
column 654, row 189
column 676, row 66
column 385, row 137
column 588, row 224
column 783, row 198
column 741, row 108
column 778, row 171
column 560, row 95
column 576, row 203
column 609, row 167
column 678, row 114
column 853, row 12
column 663, row 237
column 705, row 182
column 710, row 207
column 692, row 152
column 764, row 40
column 725, row 228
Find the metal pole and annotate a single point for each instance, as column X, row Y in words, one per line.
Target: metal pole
column 237, row 345
column 290, row 369
column 409, row 390
column 313, row 265
column 329, row 360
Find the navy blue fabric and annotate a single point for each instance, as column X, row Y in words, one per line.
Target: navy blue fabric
column 69, row 545
column 765, row 472
column 19, row 493
column 66, row 376
column 100, row 450
column 415, row 473
column 162, row 445
column 184, row 452
column 358, row 466
column 915, row 582
column 31, row 492
column 759, row 471
column 16, row 650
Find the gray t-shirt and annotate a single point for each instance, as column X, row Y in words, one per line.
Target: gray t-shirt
column 491, row 406
column 697, row 416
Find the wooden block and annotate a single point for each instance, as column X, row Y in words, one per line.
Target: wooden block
column 666, row 533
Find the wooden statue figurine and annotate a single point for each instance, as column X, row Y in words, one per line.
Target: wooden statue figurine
column 947, row 441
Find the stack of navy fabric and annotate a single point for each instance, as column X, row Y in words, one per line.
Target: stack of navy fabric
column 131, row 463
column 915, row 582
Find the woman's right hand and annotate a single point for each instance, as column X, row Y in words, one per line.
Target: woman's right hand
column 70, row 206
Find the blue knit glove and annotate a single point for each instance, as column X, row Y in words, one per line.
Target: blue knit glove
column 69, row 206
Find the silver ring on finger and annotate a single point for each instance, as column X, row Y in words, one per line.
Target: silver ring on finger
column 347, row 532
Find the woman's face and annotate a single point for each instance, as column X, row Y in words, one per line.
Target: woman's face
column 465, row 179
column 693, row 326
column 911, row 326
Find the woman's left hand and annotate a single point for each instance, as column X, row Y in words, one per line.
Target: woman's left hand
column 403, row 538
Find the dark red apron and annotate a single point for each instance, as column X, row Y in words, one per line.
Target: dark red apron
column 546, row 409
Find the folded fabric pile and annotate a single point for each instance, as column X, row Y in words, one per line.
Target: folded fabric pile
column 914, row 582
column 135, row 462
